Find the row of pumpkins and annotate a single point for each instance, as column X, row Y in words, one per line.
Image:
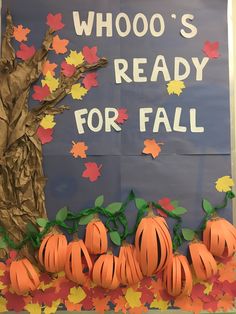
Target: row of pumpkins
column 151, row 253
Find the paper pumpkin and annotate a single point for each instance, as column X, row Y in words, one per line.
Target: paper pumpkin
column 77, row 261
column 204, row 264
column 219, row 237
column 52, row 252
column 128, row 269
column 177, row 277
column 153, row 244
column 105, row 271
column 23, row 276
column 96, row 237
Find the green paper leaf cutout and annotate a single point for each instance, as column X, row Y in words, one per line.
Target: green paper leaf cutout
column 208, row 208
column 115, row 237
column 99, row 201
column 62, row 214
column 188, row 234
column 31, row 228
column 86, row 219
column 175, row 203
column 140, row 203
column 42, row 222
column 2, row 244
column 179, row 211
column 114, row 207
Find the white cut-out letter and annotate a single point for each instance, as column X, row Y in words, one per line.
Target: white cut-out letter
column 121, row 66
column 143, row 119
column 83, row 27
column 160, row 66
column 79, row 120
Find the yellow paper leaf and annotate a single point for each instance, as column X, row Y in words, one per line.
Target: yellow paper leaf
column 48, row 122
column 133, row 297
column 78, row 91
column 51, row 82
column 52, row 309
column 3, row 303
column 75, row 58
column 44, row 286
column 224, row 184
column 160, row 304
column 175, row 87
column 76, row 295
column 2, row 286
column 208, row 289
column 33, row 308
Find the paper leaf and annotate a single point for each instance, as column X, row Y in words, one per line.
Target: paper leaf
column 49, row 67
column 67, row 69
column 133, row 297
column 78, row 150
column 20, row 33
column 42, row 222
column 179, row 211
column 3, row 244
column 76, row 295
column 44, row 135
column 160, row 304
column 114, row 207
column 90, row 80
column 115, row 237
column 226, row 303
column 167, row 205
column 33, row 308
column 208, row 208
column 140, row 203
column 48, row 121
column 59, row 45
column 120, row 305
column 99, row 201
column 188, row 234
column 86, row 219
column 53, row 308
column 75, row 58
column 90, row 54
column 152, row 147
column 92, row 171
column 101, row 305
column 78, row 91
column 211, row 49
column 122, row 115
column 51, row 82
column 14, row 302
column 40, row 93
column 175, row 87
column 54, row 21
column 62, row 214
column 31, row 228
column 25, row 52
column 175, row 203
column 224, row 184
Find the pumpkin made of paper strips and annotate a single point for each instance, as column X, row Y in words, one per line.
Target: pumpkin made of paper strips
column 203, row 262
column 23, row 276
column 177, row 277
column 153, row 244
column 78, row 262
column 128, row 269
column 219, row 237
column 105, row 271
column 52, row 252
column 96, row 237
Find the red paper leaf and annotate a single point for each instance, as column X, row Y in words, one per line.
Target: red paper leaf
column 87, row 303
column 25, row 52
column 45, row 278
column 5, row 279
column 65, row 290
column 90, row 80
column 45, row 135
column 92, row 171
column 122, row 115
column 14, row 302
column 147, row 295
column 211, row 49
column 90, row 54
column 54, row 21
column 211, row 306
column 44, row 297
column 166, row 204
column 40, row 93
column 67, row 69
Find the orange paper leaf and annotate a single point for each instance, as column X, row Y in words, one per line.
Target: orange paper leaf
column 152, row 147
column 120, row 305
column 20, row 33
column 78, row 149
column 226, row 302
column 101, row 305
column 49, row 67
column 59, row 45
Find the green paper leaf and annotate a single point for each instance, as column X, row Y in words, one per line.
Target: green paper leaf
column 42, row 222
column 2, row 244
column 31, row 228
column 115, row 237
column 208, row 208
column 86, row 219
column 62, row 214
column 140, row 203
column 175, row 203
column 114, row 207
column 188, row 234
column 179, row 211
column 99, row 201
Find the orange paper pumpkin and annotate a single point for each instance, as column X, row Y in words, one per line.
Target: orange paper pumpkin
column 219, row 237
column 204, row 264
column 128, row 269
column 23, row 276
column 77, row 260
column 96, row 237
column 153, row 244
column 52, row 252
column 177, row 276
column 105, row 271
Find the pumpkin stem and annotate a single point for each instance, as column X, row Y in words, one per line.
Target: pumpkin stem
column 150, row 210
column 75, row 236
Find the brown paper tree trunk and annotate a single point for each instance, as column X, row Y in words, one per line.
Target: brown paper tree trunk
column 22, row 180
